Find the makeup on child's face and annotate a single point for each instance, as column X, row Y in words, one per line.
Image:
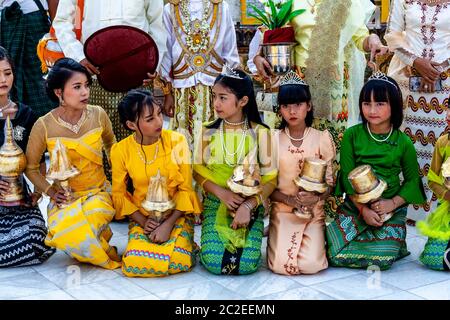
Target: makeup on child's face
column 6, row 77
column 150, row 123
column 295, row 113
column 76, row 91
column 225, row 103
column 376, row 113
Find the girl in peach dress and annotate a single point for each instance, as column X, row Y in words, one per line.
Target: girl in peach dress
column 296, row 243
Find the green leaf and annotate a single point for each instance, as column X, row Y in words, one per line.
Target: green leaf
column 259, row 19
column 273, row 14
column 295, row 13
column 284, row 12
column 262, row 17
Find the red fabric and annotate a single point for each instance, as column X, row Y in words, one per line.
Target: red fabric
column 124, row 56
column 279, row 35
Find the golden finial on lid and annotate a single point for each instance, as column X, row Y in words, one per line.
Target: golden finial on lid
column 157, row 201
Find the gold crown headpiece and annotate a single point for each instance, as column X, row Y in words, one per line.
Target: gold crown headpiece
column 292, row 78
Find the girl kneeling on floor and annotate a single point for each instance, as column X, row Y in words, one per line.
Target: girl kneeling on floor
column 232, row 228
column 362, row 234
column 156, row 246
column 296, row 242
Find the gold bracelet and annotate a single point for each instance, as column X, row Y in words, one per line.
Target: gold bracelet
column 203, row 182
column 45, row 192
column 258, row 199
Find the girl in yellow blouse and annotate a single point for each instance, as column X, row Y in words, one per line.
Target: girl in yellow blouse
column 154, row 248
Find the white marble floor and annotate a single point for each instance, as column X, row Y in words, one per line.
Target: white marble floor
column 62, row 278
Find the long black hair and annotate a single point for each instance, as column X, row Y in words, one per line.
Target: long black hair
column 132, row 107
column 294, row 94
column 383, row 91
column 60, row 73
column 4, row 56
column 240, row 88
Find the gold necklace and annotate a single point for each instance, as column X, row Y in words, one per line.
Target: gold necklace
column 142, row 157
column 73, row 127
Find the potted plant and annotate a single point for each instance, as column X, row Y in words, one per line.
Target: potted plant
column 279, row 38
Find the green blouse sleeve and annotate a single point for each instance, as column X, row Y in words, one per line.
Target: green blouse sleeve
column 412, row 188
column 347, row 162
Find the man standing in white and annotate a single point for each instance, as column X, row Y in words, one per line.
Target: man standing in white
column 201, row 39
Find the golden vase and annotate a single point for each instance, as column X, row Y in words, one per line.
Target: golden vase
column 311, row 179
column 12, row 164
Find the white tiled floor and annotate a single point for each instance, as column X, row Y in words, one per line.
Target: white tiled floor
column 62, row 278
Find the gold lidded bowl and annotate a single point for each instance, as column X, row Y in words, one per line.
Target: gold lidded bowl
column 157, row 201
column 366, row 184
column 12, row 164
column 246, row 178
column 312, row 176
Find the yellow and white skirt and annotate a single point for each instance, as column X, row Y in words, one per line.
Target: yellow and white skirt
column 82, row 229
column 142, row 258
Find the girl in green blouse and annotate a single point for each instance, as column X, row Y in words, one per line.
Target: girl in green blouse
column 358, row 237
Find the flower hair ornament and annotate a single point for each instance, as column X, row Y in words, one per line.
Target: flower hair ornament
column 380, row 76
column 292, row 78
column 229, row 72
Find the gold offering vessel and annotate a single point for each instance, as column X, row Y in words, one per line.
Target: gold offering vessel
column 61, row 170
column 157, row 202
column 12, row 164
column 312, row 179
column 367, row 186
column 246, row 178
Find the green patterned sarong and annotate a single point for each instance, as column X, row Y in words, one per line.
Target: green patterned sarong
column 354, row 244
column 436, row 254
column 213, row 255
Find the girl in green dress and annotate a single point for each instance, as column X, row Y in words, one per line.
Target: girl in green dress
column 231, row 243
column 358, row 237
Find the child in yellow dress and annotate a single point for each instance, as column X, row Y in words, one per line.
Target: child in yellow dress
column 155, row 247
